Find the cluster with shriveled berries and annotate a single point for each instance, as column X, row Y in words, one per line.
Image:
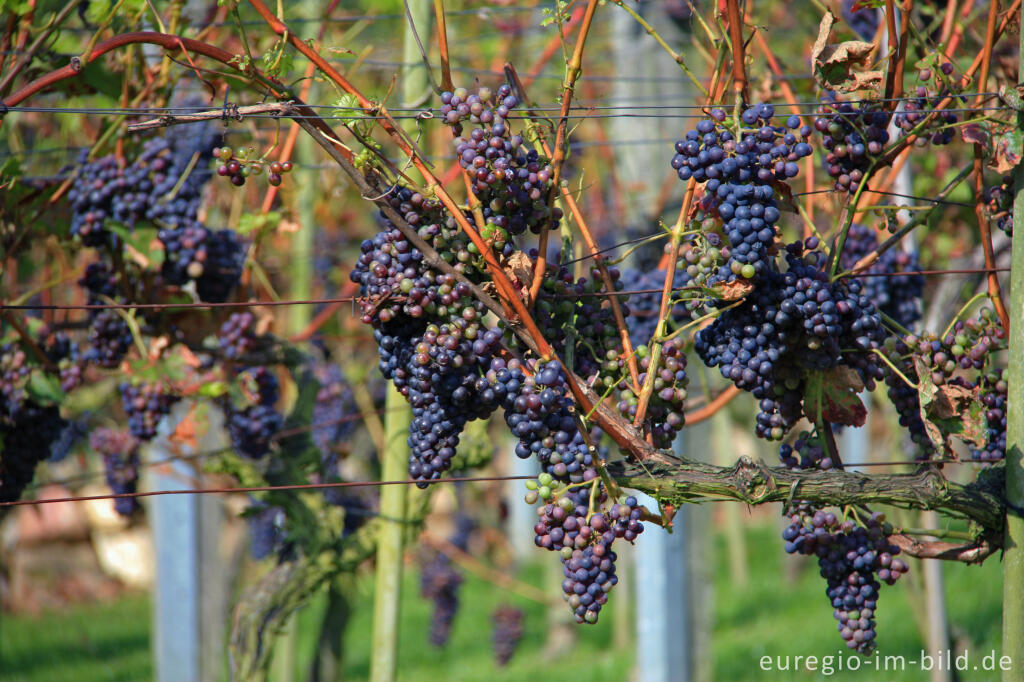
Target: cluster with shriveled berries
column 237, row 166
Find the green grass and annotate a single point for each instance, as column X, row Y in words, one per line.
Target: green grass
column 768, row 617
column 108, row 642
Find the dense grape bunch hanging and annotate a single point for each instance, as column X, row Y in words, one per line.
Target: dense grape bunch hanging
column 738, row 163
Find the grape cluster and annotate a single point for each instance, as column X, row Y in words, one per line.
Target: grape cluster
column 999, row 204
column 590, row 572
column 941, row 129
column 854, row 135
column 213, row 259
column 792, row 323
column 395, row 283
column 110, row 337
column 665, row 411
column 253, row 426
column 863, row 21
column 806, row 452
column 508, row 630
column 966, row 357
column 993, row 396
column 120, row 451
column 511, row 181
column 430, row 340
column 267, row 533
column 738, row 169
column 898, row 297
column 154, row 186
column 145, row 404
column 28, row 428
column 65, row 354
column 237, row 336
column 237, row 166
column 574, row 315
column 642, row 310
column 440, row 581
column 854, row 559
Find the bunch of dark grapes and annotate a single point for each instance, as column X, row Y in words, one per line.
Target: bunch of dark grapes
column 508, row 630
column 993, row 396
column 110, row 337
column 905, row 398
column 440, row 581
column 577, row 318
column 863, row 21
column 64, row 353
column 252, row 428
column 91, row 196
column 213, row 259
column 898, row 297
column 792, row 323
column 854, row 135
column 806, row 452
column 967, row 357
column 999, row 205
column 642, row 310
column 738, row 169
column 237, row 337
column 120, row 451
column 941, row 128
column 511, row 180
column 28, row 429
column 430, row 340
column 237, row 166
column 665, row 411
column 267, row 533
column 394, row 282
column 537, row 411
column 854, row 559
column 164, row 182
column 145, row 404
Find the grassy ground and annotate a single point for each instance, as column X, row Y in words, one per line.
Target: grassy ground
column 768, row 617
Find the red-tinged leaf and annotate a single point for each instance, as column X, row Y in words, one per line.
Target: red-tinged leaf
column 974, row 134
column 867, row 4
column 834, row 393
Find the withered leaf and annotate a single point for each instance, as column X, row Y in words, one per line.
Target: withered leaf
column 835, row 391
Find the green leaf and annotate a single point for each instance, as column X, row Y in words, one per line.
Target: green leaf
column 18, row 7
column 44, row 388
column 10, row 169
column 249, row 223
column 213, row 389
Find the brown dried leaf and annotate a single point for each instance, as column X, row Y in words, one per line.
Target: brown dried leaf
column 734, row 290
column 950, row 410
column 519, row 267
column 1008, row 150
column 824, row 31
column 833, row 64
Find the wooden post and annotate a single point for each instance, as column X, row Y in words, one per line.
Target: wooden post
column 1013, row 555
column 395, row 459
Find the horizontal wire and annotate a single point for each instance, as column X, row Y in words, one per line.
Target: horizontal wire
column 578, row 106
column 421, row 115
column 265, row 488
